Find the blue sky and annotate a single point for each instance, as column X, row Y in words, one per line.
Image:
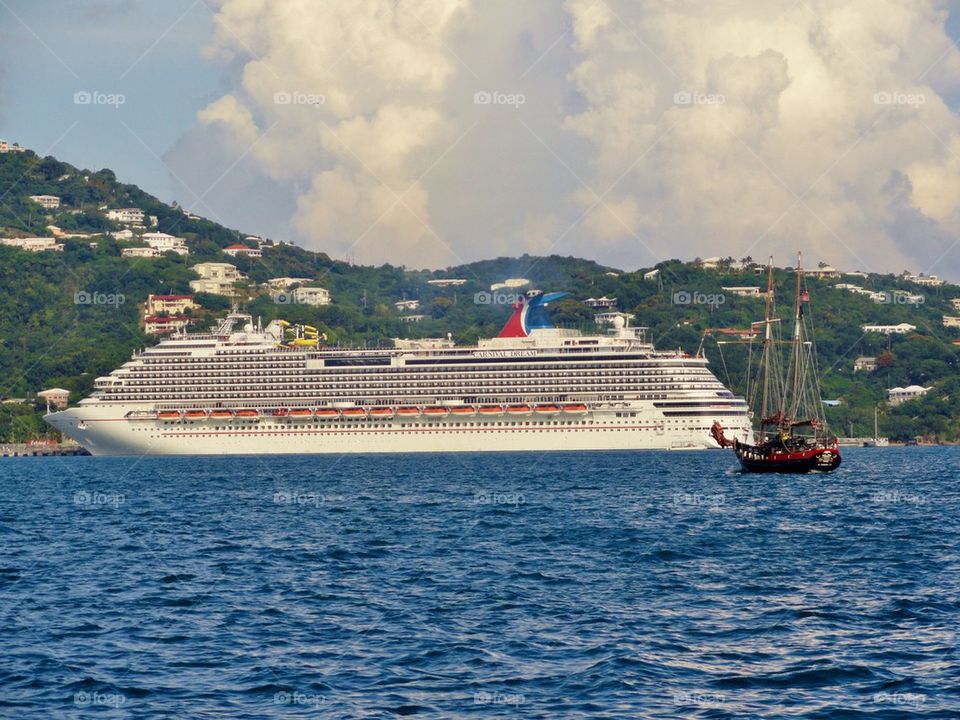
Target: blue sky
column 148, row 51
column 401, row 163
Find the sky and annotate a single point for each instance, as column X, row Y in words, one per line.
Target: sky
column 432, row 132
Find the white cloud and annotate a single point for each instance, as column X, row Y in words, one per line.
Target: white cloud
column 649, row 129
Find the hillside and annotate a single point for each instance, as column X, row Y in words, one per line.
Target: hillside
column 48, row 339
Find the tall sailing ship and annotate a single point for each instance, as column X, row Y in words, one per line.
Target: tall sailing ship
column 793, row 435
column 248, row 389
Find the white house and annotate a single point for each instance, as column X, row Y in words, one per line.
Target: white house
column 215, row 278
column 402, row 305
column 900, row 329
column 50, row 202
column 126, row 216
column 164, row 325
column 956, row 303
column 744, row 291
column 447, row 282
column 55, row 397
column 311, row 296
column 951, row 321
column 121, row 234
column 170, row 304
column 5, row 147
column 865, row 364
column 283, row 283
column 600, row 302
column 652, row 274
column 140, row 252
column 827, row 271
column 411, row 318
column 238, row 249
column 711, row 263
column 921, row 279
column 33, row 244
column 165, row 243
column 899, row 395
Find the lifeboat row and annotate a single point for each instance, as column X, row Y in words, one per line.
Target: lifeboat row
column 405, row 412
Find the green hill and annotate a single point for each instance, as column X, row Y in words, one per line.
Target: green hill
column 48, row 339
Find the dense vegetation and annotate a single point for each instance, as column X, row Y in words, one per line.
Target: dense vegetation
column 48, row 339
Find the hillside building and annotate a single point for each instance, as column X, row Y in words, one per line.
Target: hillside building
column 901, row 329
column 216, row 278
column 140, row 252
column 126, row 216
column 240, row 250
column 33, row 244
column 166, row 243
column 898, row 395
column 55, row 397
column 744, row 291
column 49, row 202
column 169, row 304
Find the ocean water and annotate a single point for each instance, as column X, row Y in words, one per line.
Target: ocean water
column 621, row 585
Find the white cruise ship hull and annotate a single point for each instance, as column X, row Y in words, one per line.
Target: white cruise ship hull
column 250, row 392
column 105, row 431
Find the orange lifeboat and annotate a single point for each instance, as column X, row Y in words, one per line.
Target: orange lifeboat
column 464, row 411
column 248, row 413
column 546, row 409
column 408, row 412
column 353, row 412
column 436, row 411
column 281, row 412
column 575, row 409
column 221, row 414
column 195, row 415
column 169, row 414
column 491, row 410
column 518, row 410
column 322, row 413
column 381, row 412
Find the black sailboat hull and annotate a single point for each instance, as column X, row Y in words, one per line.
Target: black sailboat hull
column 767, row 458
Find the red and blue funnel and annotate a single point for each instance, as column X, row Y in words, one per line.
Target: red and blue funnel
column 530, row 314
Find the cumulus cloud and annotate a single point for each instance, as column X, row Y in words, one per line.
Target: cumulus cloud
column 646, row 129
column 767, row 126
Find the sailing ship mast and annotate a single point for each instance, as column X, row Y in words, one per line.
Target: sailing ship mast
column 765, row 357
column 797, row 349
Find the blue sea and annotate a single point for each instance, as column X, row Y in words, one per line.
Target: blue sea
column 618, row 585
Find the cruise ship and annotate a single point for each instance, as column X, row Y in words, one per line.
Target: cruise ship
column 247, row 389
